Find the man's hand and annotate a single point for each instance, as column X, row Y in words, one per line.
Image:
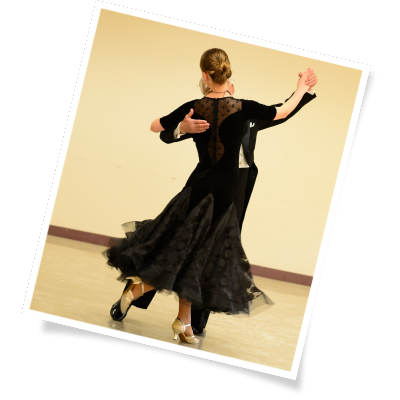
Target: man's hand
column 311, row 79
column 189, row 125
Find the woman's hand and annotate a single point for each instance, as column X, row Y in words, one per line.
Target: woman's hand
column 301, row 83
column 311, row 80
column 303, row 86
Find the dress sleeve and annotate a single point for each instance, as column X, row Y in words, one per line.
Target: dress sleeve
column 173, row 119
column 269, row 124
column 254, row 110
column 167, row 136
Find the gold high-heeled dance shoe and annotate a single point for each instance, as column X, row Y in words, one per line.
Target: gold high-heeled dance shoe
column 179, row 330
column 127, row 297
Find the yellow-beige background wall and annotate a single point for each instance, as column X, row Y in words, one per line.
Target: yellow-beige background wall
column 117, row 170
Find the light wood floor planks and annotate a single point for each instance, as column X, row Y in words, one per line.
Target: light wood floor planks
column 74, row 282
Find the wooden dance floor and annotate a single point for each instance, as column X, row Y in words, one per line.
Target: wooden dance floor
column 74, row 282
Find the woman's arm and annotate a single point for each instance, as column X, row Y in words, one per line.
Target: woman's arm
column 285, row 109
column 160, row 124
column 187, row 125
column 269, row 124
column 156, row 126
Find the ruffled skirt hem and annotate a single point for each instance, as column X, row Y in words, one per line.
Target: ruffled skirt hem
column 185, row 253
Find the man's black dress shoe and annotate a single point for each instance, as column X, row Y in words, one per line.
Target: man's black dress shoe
column 199, row 332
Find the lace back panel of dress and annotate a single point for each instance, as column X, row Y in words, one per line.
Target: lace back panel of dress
column 205, row 108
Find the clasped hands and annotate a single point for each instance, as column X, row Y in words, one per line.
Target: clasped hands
column 309, row 78
column 189, row 125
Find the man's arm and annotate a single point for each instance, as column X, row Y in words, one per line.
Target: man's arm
column 173, row 135
column 184, row 130
column 268, row 124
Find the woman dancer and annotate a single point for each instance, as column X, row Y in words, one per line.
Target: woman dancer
column 193, row 248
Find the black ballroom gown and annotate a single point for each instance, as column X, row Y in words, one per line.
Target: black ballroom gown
column 193, row 248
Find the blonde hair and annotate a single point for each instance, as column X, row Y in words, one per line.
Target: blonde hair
column 215, row 62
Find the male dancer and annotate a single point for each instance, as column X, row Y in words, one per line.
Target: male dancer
column 247, row 177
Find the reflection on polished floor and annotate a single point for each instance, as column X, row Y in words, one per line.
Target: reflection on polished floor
column 74, row 282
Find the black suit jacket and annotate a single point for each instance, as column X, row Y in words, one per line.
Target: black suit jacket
column 248, row 142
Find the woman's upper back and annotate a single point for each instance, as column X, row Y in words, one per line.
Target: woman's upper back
column 221, row 108
column 217, row 110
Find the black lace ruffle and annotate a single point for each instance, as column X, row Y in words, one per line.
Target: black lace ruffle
column 186, row 253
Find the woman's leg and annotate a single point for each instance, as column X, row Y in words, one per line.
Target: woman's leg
column 137, row 289
column 184, row 315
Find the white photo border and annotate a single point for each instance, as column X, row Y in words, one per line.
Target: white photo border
column 99, row 5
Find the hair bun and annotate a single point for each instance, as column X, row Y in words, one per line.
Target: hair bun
column 223, row 67
column 216, row 63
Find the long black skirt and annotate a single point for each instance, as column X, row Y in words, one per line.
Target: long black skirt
column 187, row 252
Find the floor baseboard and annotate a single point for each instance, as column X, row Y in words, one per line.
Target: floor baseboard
column 108, row 241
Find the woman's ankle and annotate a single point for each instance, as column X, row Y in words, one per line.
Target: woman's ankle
column 147, row 288
column 139, row 291
column 184, row 318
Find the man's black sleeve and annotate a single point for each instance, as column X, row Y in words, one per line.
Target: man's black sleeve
column 268, row 124
column 168, row 137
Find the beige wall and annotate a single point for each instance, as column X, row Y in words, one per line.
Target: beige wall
column 116, row 170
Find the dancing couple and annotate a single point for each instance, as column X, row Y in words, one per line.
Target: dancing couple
column 193, row 248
